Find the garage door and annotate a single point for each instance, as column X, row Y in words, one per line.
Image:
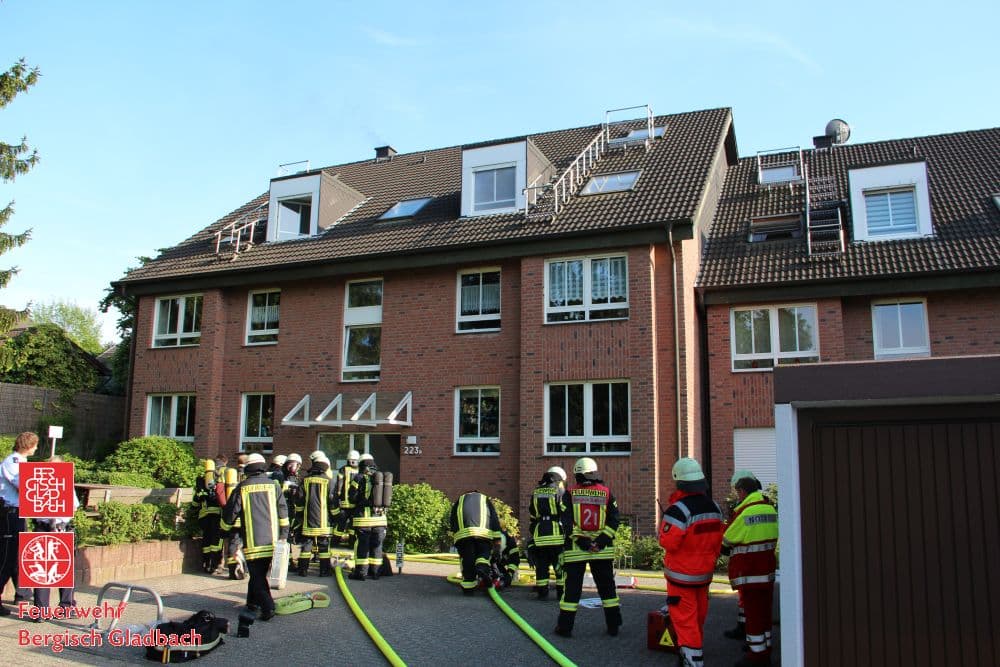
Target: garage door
column 755, row 449
column 901, row 536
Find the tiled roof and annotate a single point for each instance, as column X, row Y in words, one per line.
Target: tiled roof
column 674, row 174
column 963, row 171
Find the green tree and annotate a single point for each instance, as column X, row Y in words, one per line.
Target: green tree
column 125, row 325
column 15, row 159
column 81, row 324
column 44, row 356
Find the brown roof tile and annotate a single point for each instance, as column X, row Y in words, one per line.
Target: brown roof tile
column 674, row 173
column 963, row 171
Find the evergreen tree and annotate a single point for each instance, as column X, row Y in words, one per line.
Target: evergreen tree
column 15, row 159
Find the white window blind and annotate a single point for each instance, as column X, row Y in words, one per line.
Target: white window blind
column 755, row 449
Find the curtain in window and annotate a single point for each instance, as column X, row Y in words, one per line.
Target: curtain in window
column 617, row 288
column 491, row 293
column 574, row 283
column 891, row 212
column 557, row 283
column 599, row 281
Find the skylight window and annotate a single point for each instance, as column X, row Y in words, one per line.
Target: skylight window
column 405, row 208
column 610, row 183
column 639, row 135
column 779, row 174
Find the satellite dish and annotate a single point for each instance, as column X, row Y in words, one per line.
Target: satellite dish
column 838, row 131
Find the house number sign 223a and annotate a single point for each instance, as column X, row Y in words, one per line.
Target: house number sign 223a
column 411, row 450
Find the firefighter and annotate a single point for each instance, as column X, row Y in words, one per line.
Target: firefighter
column 312, row 511
column 290, row 483
column 274, row 471
column 589, row 521
column 259, row 505
column 545, row 509
column 234, row 557
column 505, row 560
column 209, row 511
column 691, row 536
column 344, row 511
column 369, row 521
column 750, row 541
column 476, row 526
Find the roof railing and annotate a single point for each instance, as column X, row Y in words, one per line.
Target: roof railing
column 239, row 233
column 625, row 141
column 784, row 165
column 290, row 168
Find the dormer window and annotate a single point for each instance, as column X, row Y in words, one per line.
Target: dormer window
column 776, row 227
column 494, row 188
column 293, row 207
column 610, row 183
column 405, row 209
column 782, row 174
column 293, row 217
column 890, row 202
column 639, row 135
column 494, row 177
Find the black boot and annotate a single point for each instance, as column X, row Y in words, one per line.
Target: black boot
column 739, row 632
column 613, row 619
column 232, row 572
column 325, row 570
column 357, row 574
column 564, row 626
column 373, row 572
column 543, row 592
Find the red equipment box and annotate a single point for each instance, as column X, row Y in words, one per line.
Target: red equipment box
column 660, row 633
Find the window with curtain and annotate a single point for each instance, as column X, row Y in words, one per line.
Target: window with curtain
column 172, row 416
column 178, row 321
column 589, row 288
column 479, row 300
column 257, row 434
column 262, row 319
column 477, row 420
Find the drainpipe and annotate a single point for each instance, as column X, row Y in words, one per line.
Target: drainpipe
column 677, row 341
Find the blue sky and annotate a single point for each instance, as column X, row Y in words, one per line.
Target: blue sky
column 155, row 119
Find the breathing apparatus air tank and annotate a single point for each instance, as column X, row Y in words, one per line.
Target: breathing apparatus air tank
column 232, row 479
column 382, row 489
column 209, row 473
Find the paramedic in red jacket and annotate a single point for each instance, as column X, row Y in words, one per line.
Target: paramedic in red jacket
column 691, row 536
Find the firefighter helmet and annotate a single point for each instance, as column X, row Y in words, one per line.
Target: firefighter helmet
column 366, row 457
column 556, row 471
column 278, row 459
column 584, row 466
column 353, row 457
column 742, row 474
column 255, row 458
column 688, row 470
column 319, row 453
column 294, row 458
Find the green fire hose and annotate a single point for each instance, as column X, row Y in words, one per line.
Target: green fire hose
column 543, row 643
column 376, row 636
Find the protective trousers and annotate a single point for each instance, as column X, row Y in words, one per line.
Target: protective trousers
column 368, row 549
column 475, row 554
column 546, row 557
column 688, row 609
column 258, row 590
column 211, row 542
column 757, row 600
column 323, row 555
column 10, row 525
column 604, row 577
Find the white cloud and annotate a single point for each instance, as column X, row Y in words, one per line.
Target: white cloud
column 389, row 39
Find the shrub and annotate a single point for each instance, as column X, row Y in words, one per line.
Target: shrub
column 771, row 493
column 508, row 520
column 120, row 523
column 175, row 523
column 168, row 461
column 88, row 530
column 623, row 543
column 140, row 480
column 647, row 554
column 7, row 444
column 419, row 517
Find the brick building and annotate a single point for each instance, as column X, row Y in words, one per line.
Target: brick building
column 470, row 315
column 844, row 253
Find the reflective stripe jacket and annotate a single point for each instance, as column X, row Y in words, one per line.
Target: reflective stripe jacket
column 691, row 537
column 547, row 505
column 343, row 488
column 259, row 507
column 205, row 498
column 473, row 515
column 365, row 514
column 752, row 536
column 313, row 503
column 590, row 519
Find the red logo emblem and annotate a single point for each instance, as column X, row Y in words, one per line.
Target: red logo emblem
column 46, row 560
column 46, row 490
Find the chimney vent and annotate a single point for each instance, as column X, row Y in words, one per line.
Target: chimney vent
column 384, row 153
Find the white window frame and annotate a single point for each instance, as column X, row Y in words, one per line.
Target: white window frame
column 774, row 356
column 479, row 208
column 267, row 441
column 180, row 338
column 785, row 173
column 488, row 317
column 284, row 189
column 174, row 400
column 887, row 178
column 249, row 321
column 588, row 308
column 900, row 352
column 476, row 441
column 361, row 317
column 588, row 438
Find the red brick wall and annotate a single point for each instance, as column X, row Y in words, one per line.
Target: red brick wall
column 422, row 353
column 959, row 323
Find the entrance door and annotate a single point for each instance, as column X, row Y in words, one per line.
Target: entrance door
column 383, row 446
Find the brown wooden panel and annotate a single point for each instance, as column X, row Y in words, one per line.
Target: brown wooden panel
column 901, row 535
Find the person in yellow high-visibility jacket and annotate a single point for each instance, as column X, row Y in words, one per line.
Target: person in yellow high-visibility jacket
column 750, row 539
